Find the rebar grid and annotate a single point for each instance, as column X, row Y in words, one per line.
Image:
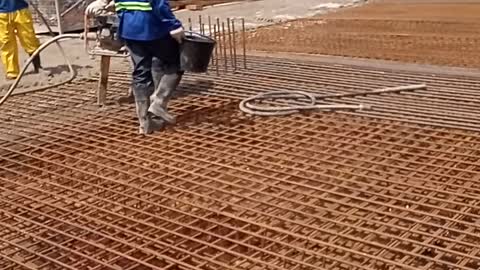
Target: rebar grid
column 221, row 190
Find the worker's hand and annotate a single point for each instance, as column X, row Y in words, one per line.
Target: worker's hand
column 178, row 34
column 97, row 7
column 110, row 6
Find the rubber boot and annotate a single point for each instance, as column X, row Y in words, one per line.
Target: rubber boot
column 148, row 123
column 162, row 95
column 142, row 111
column 153, row 124
column 142, row 93
column 37, row 65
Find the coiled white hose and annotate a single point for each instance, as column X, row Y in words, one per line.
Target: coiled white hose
column 248, row 107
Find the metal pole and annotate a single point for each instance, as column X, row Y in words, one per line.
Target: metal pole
column 216, row 48
column 202, row 28
column 189, row 24
column 230, row 40
column 200, row 23
column 210, row 33
column 244, row 38
column 225, row 47
column 59, row 17
column 210, row 26
column 219, row 40
column 234, row 46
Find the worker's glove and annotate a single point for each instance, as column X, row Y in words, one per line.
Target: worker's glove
column 97, row 7
column 178, row 34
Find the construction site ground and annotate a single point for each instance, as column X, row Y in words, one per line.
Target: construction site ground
column 395, row 186
column 255, row 14
column 426, row 32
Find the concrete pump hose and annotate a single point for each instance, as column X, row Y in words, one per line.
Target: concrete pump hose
column 29, row 61
column 248, row 107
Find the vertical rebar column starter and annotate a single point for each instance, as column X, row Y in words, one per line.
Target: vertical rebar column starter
column 224, row 39
column 216, row 48
column 244, row 41
column 219, row 40
column 210, row 34
column 200, row 24
column 229, row 32
column 210, row 26
column 234, row 46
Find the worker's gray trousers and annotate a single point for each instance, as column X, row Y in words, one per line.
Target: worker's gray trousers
column 153, row 85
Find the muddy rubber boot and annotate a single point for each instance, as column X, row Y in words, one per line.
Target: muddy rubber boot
column 37, row 66
column 142, row 114
column 153, row 123
column 162, row 95
column 142, row 93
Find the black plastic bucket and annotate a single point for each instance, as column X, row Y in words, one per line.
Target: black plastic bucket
column 196, row 52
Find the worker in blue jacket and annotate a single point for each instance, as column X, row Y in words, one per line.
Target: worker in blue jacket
column 16, row 20
column 149, row 30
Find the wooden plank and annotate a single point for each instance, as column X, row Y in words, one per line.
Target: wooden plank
column 194, row 7
column 103, row 81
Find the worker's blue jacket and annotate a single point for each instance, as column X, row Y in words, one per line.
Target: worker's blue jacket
column 145, row 20
column 7, row 6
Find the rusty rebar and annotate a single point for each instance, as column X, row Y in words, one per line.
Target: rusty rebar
column 219, row 40
column 370, row 190
column 229, row 33
column 215, row 36
column 234, row 45
column 211, row 35
column 210, row 26
column 244, row 44
column 224, row 39
column 200, row 23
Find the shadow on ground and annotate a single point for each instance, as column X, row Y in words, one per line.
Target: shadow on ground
column 64, row 68
column 197, row 86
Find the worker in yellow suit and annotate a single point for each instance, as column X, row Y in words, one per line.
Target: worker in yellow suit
column 16, row 21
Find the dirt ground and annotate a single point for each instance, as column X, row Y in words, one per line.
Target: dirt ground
column 255, row 13
column 439, row 32
column 267, row 12
column 426, row 32
column 54, row 64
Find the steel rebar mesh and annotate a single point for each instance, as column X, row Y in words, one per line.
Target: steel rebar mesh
column 221, row 190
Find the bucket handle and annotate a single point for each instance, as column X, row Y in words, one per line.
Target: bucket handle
column 195, row 34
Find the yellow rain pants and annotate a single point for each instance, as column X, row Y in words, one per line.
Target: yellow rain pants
column 18, row 23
